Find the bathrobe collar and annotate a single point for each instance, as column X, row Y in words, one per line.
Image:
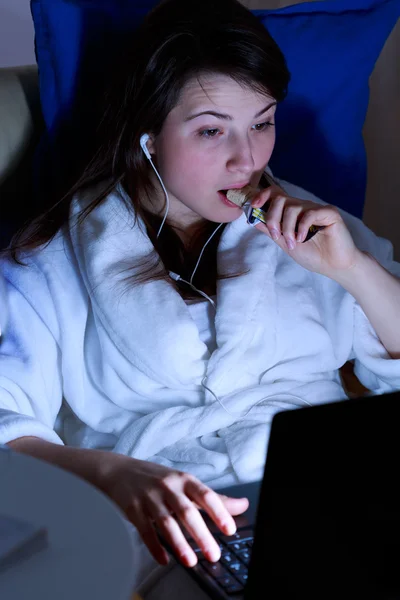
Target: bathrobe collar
column 150, row 323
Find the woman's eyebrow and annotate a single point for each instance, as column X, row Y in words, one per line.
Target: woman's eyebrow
column 224, row 116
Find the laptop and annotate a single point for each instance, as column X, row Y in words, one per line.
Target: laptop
column 325, row 520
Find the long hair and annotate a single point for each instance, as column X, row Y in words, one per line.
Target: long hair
column 177, row 41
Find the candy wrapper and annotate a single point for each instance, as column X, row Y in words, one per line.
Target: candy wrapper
column 243, row 197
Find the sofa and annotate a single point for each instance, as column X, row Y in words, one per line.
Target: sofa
column 21, row 125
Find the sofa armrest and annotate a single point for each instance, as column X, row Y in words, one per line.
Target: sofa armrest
column 20, row 116
column 21, row 125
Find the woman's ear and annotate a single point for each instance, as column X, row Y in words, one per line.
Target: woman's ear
column 151, row 145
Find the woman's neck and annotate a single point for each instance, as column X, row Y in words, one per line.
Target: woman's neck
column 187, row 233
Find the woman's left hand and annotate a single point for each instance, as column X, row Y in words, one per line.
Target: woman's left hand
column 330, row 252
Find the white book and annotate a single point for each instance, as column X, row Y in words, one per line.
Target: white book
column 19, row 539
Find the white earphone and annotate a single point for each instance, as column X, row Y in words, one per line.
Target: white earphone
column 143, row 143
column 144, row 138
column 177, row 277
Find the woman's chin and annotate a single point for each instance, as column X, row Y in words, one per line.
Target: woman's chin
column 231, row 218
column 227, row 216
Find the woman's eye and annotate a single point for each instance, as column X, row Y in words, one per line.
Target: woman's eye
column 208, row 133
column 263, row 126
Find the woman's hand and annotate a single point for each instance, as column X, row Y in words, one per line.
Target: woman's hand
column 330, row 252
column 153, row 496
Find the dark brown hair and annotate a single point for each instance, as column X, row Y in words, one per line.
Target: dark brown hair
column 178, row 40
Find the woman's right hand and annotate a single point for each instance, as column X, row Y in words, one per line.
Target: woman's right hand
column 153, row 496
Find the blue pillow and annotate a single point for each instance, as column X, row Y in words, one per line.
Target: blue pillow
column 66, row 30
column 330, row 46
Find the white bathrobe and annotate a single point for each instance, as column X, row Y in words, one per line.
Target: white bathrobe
column 129, row 363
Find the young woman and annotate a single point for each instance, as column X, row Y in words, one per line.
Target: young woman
column 152, row 331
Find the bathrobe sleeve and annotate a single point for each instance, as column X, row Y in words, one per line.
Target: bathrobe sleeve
column 30, row 362
column 372, row 364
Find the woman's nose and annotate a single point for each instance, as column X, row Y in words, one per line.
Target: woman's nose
column 241, row 157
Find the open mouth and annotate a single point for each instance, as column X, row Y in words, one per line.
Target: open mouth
column 223, row 197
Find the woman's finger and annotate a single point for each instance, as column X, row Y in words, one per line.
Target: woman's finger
column 274, row 217
column 304, row 225
column 289, row 222
column 170, row 530
column 145, row 527
column 264, row 229
column 190, row 517
column 321, row 216
column 211, row 502
column 235, row 506
column 266, row 195
column 262, row 197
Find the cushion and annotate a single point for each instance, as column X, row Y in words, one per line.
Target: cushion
column 68, row 30
column 20, row 128
column 16, row 123
column 331, row 48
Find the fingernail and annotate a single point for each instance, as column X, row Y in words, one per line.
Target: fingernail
column 291, row 244
column 274, row 234
column 229, row 528
column 213, row 556
column 189, row 560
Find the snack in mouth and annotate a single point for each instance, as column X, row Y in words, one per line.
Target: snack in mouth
column 256, row 215
column 242, row 195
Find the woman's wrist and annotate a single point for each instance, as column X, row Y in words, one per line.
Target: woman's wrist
column 357, row 279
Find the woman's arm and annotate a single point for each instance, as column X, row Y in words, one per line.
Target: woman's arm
column 150, row 495
column 82, row 462
column 378, row 293
column 333, row 253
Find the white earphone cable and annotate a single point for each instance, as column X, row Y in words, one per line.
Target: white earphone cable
column 201, row 253
column 177, row 277
column 166, row 196
column 238, row 415
column 174, row 275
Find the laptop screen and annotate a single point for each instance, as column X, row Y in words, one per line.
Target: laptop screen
column 328, row 520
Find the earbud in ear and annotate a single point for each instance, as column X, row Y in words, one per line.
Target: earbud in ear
column 143, row 143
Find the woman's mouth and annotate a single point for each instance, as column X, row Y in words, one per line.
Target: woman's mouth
column 222, row 195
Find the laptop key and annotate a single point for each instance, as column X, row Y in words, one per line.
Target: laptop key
column 227, row 558
column 196, row 548
column 234, row 589
column 238, row 546
column 244, row 556
column 242, row 577
column 228, row 582
column 217, row 570
column 242, row 534
column 237, row 567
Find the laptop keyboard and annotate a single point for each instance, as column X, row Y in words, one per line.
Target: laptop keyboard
column 231, row 571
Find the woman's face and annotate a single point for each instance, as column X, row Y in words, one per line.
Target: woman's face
column 219, row 136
